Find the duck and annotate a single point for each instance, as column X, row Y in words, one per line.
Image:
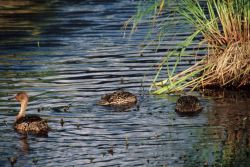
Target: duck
column 118, row 98
column 29, row 123
column 188, row 105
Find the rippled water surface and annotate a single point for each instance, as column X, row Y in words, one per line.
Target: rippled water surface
column 70, row 53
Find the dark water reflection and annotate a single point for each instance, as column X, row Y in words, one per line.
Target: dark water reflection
column 72, row 52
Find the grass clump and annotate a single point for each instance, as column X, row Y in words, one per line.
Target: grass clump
column 224, row 27
column 226, row 31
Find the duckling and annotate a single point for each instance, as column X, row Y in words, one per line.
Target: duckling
column 118, row 98
column 29, row 123
column 188, row 105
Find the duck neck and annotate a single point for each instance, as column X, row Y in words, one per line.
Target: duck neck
column 22, row 109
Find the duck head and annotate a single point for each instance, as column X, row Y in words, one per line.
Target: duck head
column 22, row 97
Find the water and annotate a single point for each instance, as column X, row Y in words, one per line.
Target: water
column 69, row 53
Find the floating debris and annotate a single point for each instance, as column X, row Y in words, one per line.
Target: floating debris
column 66, row 109
column 41, row 109
column 137, row 107
column 61, row 108
column 126, row 142
column 122, row 80
column 111, row 150
column 78, row 126
column 103, row 154
column 5, row 123
column 12, row 160
column 56, row 109
column 34, row 160
column 156, row 136
column 62, row 122
column 91, row 159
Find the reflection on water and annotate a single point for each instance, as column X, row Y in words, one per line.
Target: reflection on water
column 232, row 112
column 68, row 54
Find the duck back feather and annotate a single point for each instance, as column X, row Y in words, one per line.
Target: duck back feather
column 31, row 123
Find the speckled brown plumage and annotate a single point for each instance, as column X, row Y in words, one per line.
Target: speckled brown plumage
column 118, row 98
column 188, row 104
column 31, row 123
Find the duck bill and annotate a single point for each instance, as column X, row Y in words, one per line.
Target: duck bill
column 12, row 98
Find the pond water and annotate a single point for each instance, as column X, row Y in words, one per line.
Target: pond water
column 70, row 53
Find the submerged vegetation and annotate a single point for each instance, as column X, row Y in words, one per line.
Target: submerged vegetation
column 222, row 27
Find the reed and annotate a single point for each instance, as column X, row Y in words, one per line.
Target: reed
column 225, row 29
column 226, row 33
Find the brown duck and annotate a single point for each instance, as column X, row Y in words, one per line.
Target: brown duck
column 118, row 98
column 29, row 123
column 188, row 105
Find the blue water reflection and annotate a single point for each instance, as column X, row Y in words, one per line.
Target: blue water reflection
column 72, row 52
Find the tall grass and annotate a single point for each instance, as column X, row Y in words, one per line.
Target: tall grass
column 225, row 29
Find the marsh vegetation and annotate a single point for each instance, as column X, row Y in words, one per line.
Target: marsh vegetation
column 80, row 57
column 221, row 26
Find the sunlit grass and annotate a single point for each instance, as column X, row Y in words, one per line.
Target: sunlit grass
column 224, row 26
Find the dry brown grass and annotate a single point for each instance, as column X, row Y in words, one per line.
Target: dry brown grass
column 230, row 66
column 227, row 34
column 225, row 29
